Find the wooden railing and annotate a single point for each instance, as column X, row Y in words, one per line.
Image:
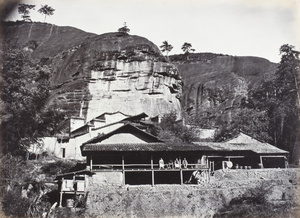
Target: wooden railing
column 145, row 166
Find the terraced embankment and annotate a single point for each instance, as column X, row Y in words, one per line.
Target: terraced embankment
column 192, row 200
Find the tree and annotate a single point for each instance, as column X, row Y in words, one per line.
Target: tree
column 25, row 89
column 46, row 10
column 124, row 30
column 166, row 47
column 279, row 97
column 286, row 101
column 187, row 48
column 257, row 126
column 24, row 10
column 173, row 130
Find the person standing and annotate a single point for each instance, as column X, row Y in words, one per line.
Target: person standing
column 176, row 163
column 161, row 163
column 184, row 163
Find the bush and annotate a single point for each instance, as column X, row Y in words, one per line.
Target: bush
column 24, row 189
column 14, row 204
column 58, row 167
column 253, row 203
column 173, row 130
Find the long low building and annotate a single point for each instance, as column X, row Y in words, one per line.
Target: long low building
column 130, row 151
column 128, row 155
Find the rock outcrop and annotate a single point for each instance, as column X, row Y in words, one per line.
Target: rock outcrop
column 215, row 84
column 93, row 74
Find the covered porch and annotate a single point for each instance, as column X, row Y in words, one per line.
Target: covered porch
column 151, row 163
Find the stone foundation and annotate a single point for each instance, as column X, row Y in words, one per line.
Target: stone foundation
column 187, row 200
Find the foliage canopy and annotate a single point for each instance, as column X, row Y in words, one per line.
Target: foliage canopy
column 166, row 47
column 24, row 9
column 25, row 89
column 173, row 130
column 46, row 10
column 187, row 48
column 124, row 30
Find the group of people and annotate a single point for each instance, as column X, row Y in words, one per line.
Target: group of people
column 177, row 164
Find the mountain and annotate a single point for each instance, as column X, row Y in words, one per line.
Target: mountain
column 93, row 74
column 216, row 84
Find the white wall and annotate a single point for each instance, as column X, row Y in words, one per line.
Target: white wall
column 76, row 122
column 72, row 147
column 122, row 138
column 112, row 118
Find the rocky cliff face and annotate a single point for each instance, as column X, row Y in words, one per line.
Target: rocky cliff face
column 93, row 74
column 215, row 84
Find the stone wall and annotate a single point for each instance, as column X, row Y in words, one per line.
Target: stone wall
column 188, row 200
column 104, row 179
column 242, row 174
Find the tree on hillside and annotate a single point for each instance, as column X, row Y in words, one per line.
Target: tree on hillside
column 23, row 9
column 257, row 126
column 25, row 89
column 124, row 30
column 286, row 101
column 274, row 108
column 187, row 48
column 166, row 47
column 172, row 130
column 46, row 10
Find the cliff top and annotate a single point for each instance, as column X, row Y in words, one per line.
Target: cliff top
column 51, row 40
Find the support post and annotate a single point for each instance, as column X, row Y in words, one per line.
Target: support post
column 123, row 163
column 61, row 192
column 123, row 169
column 208, row 171
column 152, row 170
column 91, row 163
column 60, row 199
column 181, row 177
column 261, row 162
column 207, row 175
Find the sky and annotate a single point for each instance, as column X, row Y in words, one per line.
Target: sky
column 233, row 27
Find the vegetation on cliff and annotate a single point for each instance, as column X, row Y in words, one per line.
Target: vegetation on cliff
column 25, row 89
column 269, row 111
column 172, row 130
column 28, row 188
column 244, row 93
column 280, row 96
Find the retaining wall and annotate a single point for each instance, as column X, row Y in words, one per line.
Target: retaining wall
column 189, row 200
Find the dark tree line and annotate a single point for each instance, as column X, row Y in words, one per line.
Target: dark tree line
column 272, row 112
column 24, row 10
column 282, row 96
column 25, row 89
column 170, row 129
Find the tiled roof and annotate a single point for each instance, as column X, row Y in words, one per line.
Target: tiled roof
column 259, row 148
column 157, row 146
column 199, row 146
column 111, row 113
column 127, row 128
